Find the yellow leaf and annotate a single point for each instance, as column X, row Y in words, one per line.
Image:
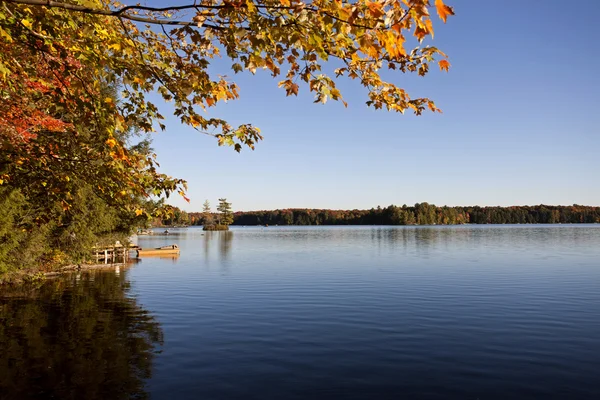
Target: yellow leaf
column 108, row 100
column 111, row 142
column 400, row 45
column 138, row 212
column 443, row 10
column 26, row 23
column 120, row 123
column 4, row 34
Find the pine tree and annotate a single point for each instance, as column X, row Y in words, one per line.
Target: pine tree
column 226, row 215
column 207, row 218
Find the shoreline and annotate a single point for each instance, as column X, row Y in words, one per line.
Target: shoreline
column 31, row 276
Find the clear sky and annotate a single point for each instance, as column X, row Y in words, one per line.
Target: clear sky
column 520, row 125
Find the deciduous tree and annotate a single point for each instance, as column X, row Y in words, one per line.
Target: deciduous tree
column 57, row 59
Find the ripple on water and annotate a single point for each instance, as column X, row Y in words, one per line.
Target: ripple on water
column 488, row 312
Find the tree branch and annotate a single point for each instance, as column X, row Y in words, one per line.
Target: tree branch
column 120, row 13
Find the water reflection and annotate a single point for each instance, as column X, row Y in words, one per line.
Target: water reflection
column 173, row 258
column 220, row 239
column 225, row 244
column 79, row 337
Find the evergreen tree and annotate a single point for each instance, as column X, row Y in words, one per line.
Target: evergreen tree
column 225, row 213
column 207, row 218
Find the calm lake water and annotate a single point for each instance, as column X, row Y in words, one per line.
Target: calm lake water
column 466, row 312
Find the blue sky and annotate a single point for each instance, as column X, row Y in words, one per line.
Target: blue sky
column 519, row 126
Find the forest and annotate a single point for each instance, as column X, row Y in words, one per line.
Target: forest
column 423, row 214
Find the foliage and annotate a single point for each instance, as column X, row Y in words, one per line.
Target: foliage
column 363, row 36
column 424, row 214
column 19, row 247
column 58, row 59
column 174, row 216
column 215, row 227
column 60, row 128
column 66, row 237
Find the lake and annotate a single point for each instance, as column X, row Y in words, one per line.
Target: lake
column 452, row 312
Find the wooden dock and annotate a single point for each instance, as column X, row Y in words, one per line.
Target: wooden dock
column 112, row 254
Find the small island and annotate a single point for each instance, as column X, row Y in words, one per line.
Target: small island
column 218, row 221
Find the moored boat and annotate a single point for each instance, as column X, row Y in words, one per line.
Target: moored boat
column 164, row 250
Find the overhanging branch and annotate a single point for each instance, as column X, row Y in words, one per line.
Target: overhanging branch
column 124, row 12
column 120, row 13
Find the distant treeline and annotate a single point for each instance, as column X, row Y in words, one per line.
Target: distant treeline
column 420, row 214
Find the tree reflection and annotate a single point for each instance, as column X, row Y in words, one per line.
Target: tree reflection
column 225, row 244
column 81, row 337
column 221, row 240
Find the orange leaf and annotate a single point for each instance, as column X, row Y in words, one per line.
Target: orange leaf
column 444, row 65
column 420, row 33
column 429, row 26
column 443, row 10
column 111, row 142
column 376, row 9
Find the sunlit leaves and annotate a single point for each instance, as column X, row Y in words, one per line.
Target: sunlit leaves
column 443, row 10
column 59, row 62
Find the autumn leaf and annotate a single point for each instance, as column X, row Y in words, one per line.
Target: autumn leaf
column 376, row 9
column 429, row 26
column 420, row 33
column 444, row 65
column 5, row 35
column 443, row 10
column 111, row 142
column 138, row 212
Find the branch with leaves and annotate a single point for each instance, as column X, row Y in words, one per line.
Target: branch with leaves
column 59, row 58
